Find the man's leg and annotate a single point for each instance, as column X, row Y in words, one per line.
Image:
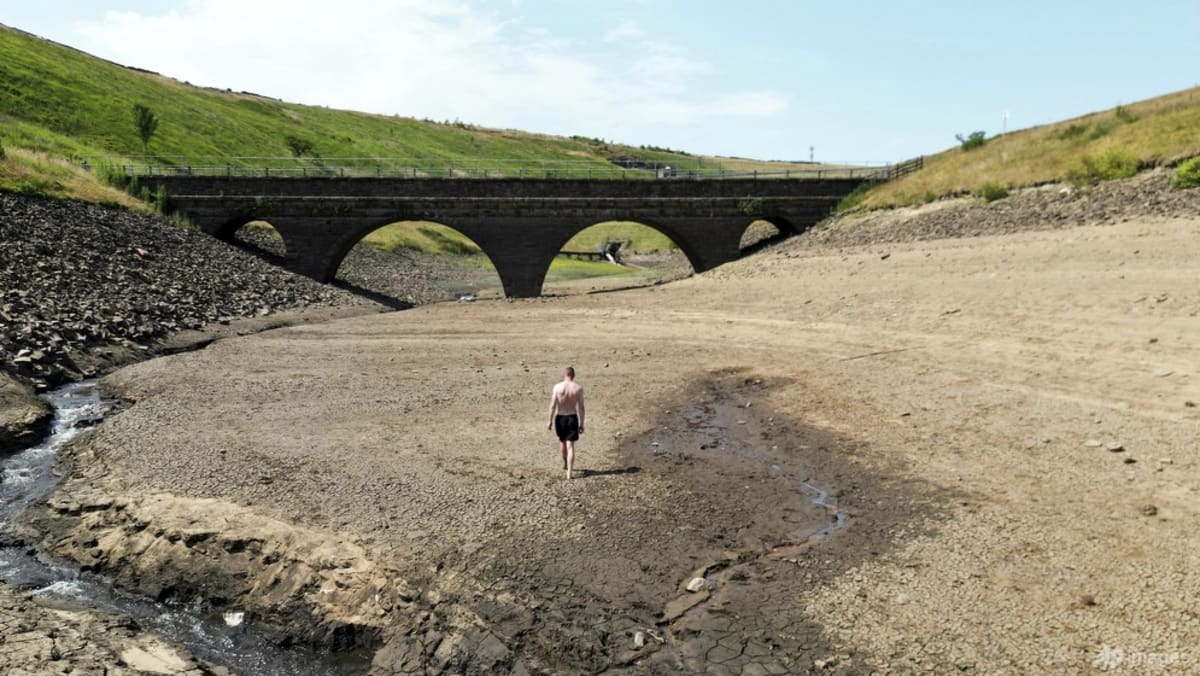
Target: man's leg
column 563, row 448
column 570, row 458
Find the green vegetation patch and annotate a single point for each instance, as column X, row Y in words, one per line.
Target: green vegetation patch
column 641, row 238
column 432, row 238
column 992, row 191
column 1112, row 164
column 1187, row 175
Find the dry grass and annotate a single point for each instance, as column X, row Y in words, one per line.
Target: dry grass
column 34, row 173
column 1157, row 131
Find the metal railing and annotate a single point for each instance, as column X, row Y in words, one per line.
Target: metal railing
column 288, row 167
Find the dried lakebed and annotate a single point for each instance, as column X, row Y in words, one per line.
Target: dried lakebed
column 705, row 586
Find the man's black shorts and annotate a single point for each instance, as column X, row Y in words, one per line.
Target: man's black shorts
column 566, row 427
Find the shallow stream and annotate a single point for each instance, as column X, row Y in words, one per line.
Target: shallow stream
column 223, row 639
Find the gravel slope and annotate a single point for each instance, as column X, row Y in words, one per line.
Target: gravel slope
column 1044, row 208
column 79, row 282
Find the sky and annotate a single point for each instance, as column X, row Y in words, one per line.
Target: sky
column 857, row 80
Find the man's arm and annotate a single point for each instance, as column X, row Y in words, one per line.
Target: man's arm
column 580, row 410
column 553, row 409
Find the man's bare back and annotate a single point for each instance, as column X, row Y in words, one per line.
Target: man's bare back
column 568, row 397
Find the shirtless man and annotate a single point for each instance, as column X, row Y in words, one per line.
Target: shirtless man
column 566, row 417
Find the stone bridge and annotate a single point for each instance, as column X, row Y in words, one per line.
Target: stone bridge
column 521, row 224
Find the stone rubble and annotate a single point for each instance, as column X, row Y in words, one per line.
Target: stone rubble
column 80, row 282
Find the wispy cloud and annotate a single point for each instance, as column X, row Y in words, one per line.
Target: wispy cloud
column 426, row 58
column 626, row 30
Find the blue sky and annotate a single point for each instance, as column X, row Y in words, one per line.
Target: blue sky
column 867, row 80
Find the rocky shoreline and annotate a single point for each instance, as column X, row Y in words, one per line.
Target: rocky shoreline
column 36, row 639
column 83, row 284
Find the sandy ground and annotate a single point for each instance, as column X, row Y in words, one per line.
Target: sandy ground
column 957, row 398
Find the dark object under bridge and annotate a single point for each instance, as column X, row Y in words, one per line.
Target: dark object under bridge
column 521, row 224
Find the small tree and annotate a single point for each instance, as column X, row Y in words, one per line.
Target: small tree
column 972, row 140
column 299, row 146
column 146, row 123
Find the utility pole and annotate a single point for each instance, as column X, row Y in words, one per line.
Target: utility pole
column 1004, row 122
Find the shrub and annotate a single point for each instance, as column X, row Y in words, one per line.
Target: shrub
column 298, row 146
column 930, row 197
column 751, row 206
column 113, row 175
column 1100, row 131
column 992, row 191
column 3, row 155
column 1072, row 132
column 162, row 201
column 1187, row 175
column 1123, row 114
column 1113, row 164
column 973, row 140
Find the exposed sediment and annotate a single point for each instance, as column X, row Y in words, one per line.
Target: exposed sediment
column 483, row 603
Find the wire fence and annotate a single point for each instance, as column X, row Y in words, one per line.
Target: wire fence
column 289, row 167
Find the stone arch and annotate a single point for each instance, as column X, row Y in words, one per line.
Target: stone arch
column 355, row 236
column 673, row 234
column 763, row 232
column 646, row 256
column 257, row 236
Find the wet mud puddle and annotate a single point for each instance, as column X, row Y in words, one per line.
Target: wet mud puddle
column 218, row 638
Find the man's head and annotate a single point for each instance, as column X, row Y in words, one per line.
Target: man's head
column 569, row 373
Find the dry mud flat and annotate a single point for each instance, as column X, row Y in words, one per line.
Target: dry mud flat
column 388, row 481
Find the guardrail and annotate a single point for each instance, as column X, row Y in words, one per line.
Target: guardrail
column 486, row 169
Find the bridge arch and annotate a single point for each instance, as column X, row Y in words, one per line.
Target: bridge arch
column 256, row 235
column 672, row 233
column 643, row 254
column 396, row 234
column 765, row 231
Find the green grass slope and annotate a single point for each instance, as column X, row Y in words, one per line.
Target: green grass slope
column 58, row 102
column 1162, row 130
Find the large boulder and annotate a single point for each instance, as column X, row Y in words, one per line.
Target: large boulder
column 24, row 418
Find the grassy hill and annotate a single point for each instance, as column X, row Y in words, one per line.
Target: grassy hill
column 57, row 103
column 1097, row 146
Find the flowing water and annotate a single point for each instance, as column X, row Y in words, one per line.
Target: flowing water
column 28, row 477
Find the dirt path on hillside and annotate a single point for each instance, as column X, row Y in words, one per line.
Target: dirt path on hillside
column 956, row 398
